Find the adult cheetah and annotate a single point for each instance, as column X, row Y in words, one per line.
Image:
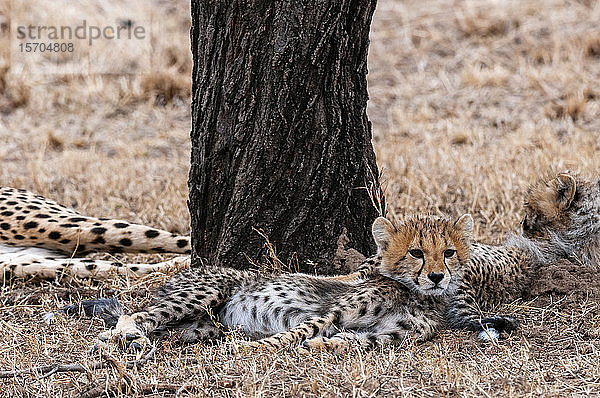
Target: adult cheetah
column 40, row 238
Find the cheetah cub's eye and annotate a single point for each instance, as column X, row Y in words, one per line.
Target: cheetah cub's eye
column 416, row 253
column 449, row 253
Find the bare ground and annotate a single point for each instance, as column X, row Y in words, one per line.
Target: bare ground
column 470, row 101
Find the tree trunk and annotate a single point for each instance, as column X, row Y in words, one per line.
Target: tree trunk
column 281, row 142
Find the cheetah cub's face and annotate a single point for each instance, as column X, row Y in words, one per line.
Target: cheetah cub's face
column 562, row 217
column 563, row 203
column 425, row 253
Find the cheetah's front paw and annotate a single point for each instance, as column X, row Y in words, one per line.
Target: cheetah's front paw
column 502, row 323
column 495, row 325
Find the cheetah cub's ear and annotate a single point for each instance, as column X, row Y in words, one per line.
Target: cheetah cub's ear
column 465, row 225
column 565, row 190
column 552, row 198
column 383, row 230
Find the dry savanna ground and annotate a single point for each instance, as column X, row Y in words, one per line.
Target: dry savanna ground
column 470, row 102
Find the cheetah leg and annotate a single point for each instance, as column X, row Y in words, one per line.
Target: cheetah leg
column 204, row 329
column 464, row 313
column 199, row 295
column 46, row 264
column 337, row 342
column 127, row 332
column 297, row 334
column 370, row 339
column 346, row 340
column 169, row 310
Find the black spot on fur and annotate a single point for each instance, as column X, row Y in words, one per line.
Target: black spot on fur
column 54, row 235
column 20, row 218
column 134, row 269
column 41, row 230
column 69, row 225
column 362, row 311
column 11, row 203
column 19, row 237
column 30, row 224
column 7, row 213
column 377, row 310
column 90, row 267
column 5, row 226
column 152, row 233
column 42, row 216
column 121, row 225
column 181, row 243
column 77, row 219
column 125, row 242
column 100, row 240
column 98, row 230
column 65, row 241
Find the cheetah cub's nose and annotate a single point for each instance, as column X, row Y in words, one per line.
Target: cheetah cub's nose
column 435, row 277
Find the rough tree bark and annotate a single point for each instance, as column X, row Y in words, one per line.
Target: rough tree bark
column 280, row 137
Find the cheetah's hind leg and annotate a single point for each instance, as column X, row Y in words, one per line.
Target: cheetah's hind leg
column 296, row 335
column 205, row 329
column 107, row 309
column 123, row 329
column 127, row 333
column 338, row 342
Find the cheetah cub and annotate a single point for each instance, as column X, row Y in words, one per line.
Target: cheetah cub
column 416, row 268
column 561, row 223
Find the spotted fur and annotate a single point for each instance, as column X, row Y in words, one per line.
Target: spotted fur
column 562, row 221
column 39, row 237
column 404, row 297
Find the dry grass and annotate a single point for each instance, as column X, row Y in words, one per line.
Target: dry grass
column 470, row 101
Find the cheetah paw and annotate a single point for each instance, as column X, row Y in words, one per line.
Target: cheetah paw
column 332, row 344
column 127, row 334
column 495, row 325
column 489, row 335
column 315, row 344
